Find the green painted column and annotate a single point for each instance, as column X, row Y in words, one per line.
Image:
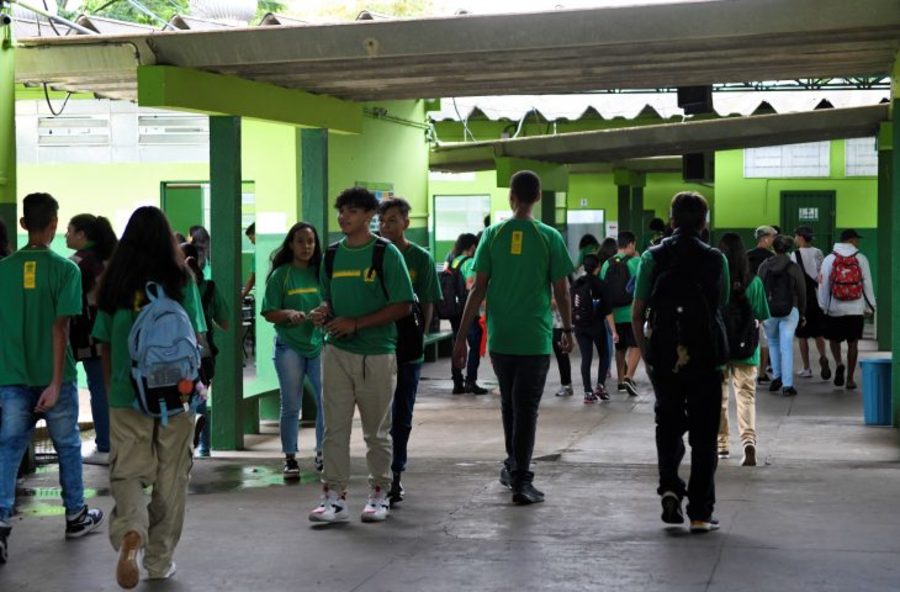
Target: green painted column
column 548, row 208
column 637, row 215
column 624, row 207
column 8, row 134
column 225, row 228
column 885, row 252
column 313, row 208
column 895, row 242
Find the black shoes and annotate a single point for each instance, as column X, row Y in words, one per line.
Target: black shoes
column 505, row 478
column 5, row 529
column 459, row 388
column 396, row 492
column 839, row 375
column 825, row 368
column 630, row 387
column 525, row 494
column 789, row 392
column 671, row 508
column 775, row 386
column 473, row 389
column 291, row 470
column 85, row 521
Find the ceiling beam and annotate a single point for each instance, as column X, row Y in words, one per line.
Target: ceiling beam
column 184, row 89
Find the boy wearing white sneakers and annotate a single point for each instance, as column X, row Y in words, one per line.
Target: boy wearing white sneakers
column 365, row 290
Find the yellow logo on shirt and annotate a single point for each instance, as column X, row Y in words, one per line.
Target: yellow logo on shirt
column 29, row 278
column 369, row 275
column 346, row 274
column 296, row 291
column 515, row 247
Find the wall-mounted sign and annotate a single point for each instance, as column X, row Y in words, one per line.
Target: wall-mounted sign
column 583, row 203
column 809, row 214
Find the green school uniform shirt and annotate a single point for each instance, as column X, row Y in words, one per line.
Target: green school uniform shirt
column 215, row 310
column 584, row 252
column 114, row 329
column 622, row 314
column 521, row 258
column 36, row 287
column 756, row 295
column 354, row 290
column 293, row 288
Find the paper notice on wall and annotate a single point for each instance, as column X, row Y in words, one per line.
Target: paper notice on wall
column 612, row 229
column 271, row 223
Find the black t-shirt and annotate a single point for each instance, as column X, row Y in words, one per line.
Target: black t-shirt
column 756, row 257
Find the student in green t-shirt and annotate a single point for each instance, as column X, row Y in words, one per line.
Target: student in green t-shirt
column 393, row 221
column 518, row 263
column 359, row 310
column 216, row 314
column 40, row 291
column 144, row 451
column 292, row 292
column 746, row 289
column 617, row 271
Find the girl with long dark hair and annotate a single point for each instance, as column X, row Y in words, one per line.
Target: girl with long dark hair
column 746, row 310
column 4, row 240
column 94, row 241
column 591, row 332
column 144, row 452
column 292, row 291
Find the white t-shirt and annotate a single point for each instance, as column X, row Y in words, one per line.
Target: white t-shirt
column 812, row 261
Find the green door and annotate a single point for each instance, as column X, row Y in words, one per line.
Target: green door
column 809, row 208
column 183, row 205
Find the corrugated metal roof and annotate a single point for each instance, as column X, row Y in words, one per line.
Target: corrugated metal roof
column 633, row 105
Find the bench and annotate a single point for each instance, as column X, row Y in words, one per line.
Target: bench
column 438, row 344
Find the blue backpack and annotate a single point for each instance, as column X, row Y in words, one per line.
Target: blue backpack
column 165, row 357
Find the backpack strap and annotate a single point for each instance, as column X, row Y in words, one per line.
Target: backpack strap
column 378, row 250
column 329, row 259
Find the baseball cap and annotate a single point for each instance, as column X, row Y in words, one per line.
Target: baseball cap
column 804, row 231
column 765, row 231
column 849, row 234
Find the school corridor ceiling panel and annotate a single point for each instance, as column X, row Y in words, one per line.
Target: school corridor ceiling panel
column 634, row 47
column 659, row 140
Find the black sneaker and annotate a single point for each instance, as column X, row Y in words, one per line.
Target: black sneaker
column 762, row 379
column 396, row 492
column 620, row 388
column 5, row 529
column 631, row 387
column 291, row 470
column 775, row 386
column 749, row 459
column 459, row 388
column 601, row 393
column 526, row 494
column 825, row 368
column 839, row 375
column 671, row 505
column 473, row 388
column 505, row 478
column 87, row 520
column 319, row 462
column 590, row 398
column 789, row 392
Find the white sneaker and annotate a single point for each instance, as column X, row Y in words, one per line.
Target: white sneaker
column 805, row 373
column 332, row 509
column 97, row 458
column 164, row 576
column 377, row 508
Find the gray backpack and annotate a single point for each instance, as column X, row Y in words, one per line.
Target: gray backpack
column 165, row 357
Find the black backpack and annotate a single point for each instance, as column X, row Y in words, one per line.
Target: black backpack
column 617, row 277
column 209, row 351
column 779, row 292
column 411, row 328
column 740, row 326
column 686, row 334
column 582, row 302
column 453, row 291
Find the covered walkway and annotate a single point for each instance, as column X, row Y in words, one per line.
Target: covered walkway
column 820, row 514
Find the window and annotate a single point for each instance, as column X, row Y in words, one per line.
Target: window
column 456, row 214
column 793, row 160
column 860, row 157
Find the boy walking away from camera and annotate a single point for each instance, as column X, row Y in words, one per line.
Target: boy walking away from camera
column 846, row 294
column 517, row 263
column 617, row 272
column 681, row 286
column 40, row 292
column 365, row 290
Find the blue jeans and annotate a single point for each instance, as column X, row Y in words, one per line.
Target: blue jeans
column 292, row 368
column 780, row 331
column 402, row 412
column 99, row 402
column 16, row 427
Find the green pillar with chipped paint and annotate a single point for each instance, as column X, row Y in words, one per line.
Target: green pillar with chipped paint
column 8, row 133
column 225, row 227
column 884, row 321
column 895, row 241
column 548, row 208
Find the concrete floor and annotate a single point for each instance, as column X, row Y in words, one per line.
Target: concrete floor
column 820, row 514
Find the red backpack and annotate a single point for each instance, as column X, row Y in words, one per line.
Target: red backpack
column 846, row 278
